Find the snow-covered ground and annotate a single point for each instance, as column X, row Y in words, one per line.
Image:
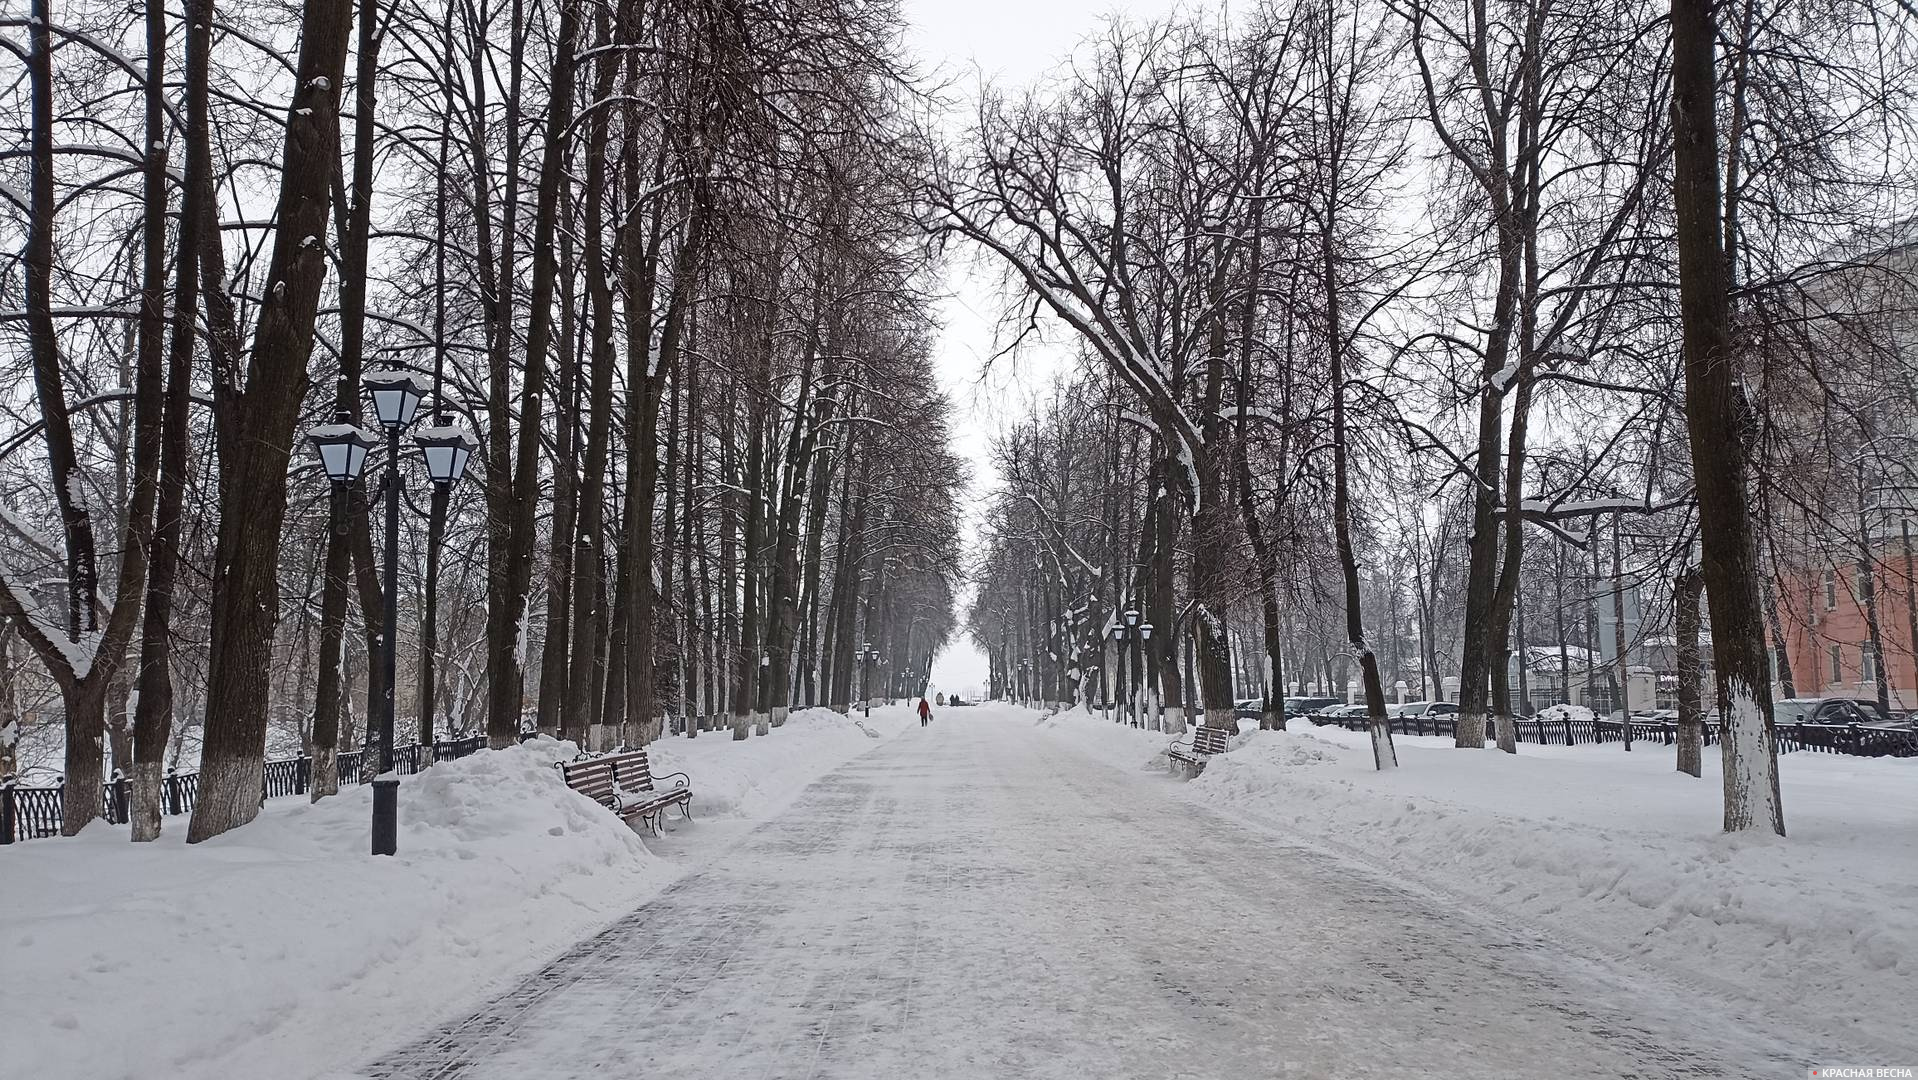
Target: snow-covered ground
column 980, row 900
column 283, row 950
column 1612, row 849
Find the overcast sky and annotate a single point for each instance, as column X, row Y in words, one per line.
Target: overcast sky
column 1009, row 42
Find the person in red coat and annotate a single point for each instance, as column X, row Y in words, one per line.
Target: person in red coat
column 925, row 713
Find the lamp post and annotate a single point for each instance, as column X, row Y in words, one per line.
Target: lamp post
column 867, row 657
column 342, row 448
column 1129, row 633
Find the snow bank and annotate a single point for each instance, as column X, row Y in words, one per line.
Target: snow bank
column 283, row 946
column 1612, row 848
column 758, row 777
column 284, row 950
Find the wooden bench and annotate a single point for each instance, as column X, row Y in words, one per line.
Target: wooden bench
column 622, row 782
column 1206, row 741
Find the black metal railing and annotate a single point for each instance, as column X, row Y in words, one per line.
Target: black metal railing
column 1830, row 739
column 29, row 813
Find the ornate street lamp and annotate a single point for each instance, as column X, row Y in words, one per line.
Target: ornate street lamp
column 342, row 447
column 1130, row 631
column 867, row 656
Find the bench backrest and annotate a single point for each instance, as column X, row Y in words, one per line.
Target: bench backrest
column 1210, row 740
column 598, row 777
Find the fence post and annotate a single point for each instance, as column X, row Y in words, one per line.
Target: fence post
column 122, row 805
column 6, row 809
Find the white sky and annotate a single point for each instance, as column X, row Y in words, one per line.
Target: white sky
column 1010, row 42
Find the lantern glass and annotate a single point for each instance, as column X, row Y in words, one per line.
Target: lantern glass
column 1132, row 617
column 396, row 396
column 342, row 460
column 1145, row 631
column 342, row 449
column 445, row 464
column 1118, row 632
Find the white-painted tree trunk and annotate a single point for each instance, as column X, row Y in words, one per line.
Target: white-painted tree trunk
column 1751, row 767
column 145, row 802
column 1383, row 755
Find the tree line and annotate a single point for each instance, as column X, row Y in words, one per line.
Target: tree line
column 1387, row 311
column 662, row 257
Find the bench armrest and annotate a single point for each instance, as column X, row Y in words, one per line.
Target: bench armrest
column 684, row 780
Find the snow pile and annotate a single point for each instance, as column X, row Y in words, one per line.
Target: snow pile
column 282, row 949
column 758, row 777
column 1119, row 745
column 1613, row 849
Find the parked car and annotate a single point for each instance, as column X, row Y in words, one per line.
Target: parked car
column 1828, row 712
column 1248, row 708
column 1422, row 709
column 1342, row 712
column 1656, row 716
column 1301, row 706
column 1818, row 722
column 1878, row 717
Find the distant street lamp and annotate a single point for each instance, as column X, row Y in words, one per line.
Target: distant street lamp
column 1128, row 633
column 867, row 656
column 342, row 448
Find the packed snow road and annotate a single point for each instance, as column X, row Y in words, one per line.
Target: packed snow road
column 977, row 900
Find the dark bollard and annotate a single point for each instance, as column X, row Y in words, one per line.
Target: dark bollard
column 386, row 815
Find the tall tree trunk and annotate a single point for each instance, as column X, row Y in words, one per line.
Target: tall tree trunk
column 582, row 718
column 555, row 653
column 1716, row 422
column 1685, row 592
column 1769, row 599
column 153, row 709
column 746, row 673
column 1384, row 756
column 1868, row 598
column 513, row 479
column 255, row 425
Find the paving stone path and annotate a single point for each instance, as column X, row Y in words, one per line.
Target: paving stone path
column 977, row 899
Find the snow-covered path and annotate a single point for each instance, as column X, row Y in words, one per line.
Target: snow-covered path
column 977, row 900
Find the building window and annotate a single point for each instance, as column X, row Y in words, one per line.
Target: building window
column 1867, row 665
column 1837, row 665
column 1831, row 589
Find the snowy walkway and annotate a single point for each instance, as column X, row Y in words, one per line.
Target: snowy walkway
column 976, row 900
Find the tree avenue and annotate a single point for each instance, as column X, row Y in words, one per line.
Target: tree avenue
column 1372, row 353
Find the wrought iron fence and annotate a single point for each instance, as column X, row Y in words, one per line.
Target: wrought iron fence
column 1822, row 738
column 29, row 813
